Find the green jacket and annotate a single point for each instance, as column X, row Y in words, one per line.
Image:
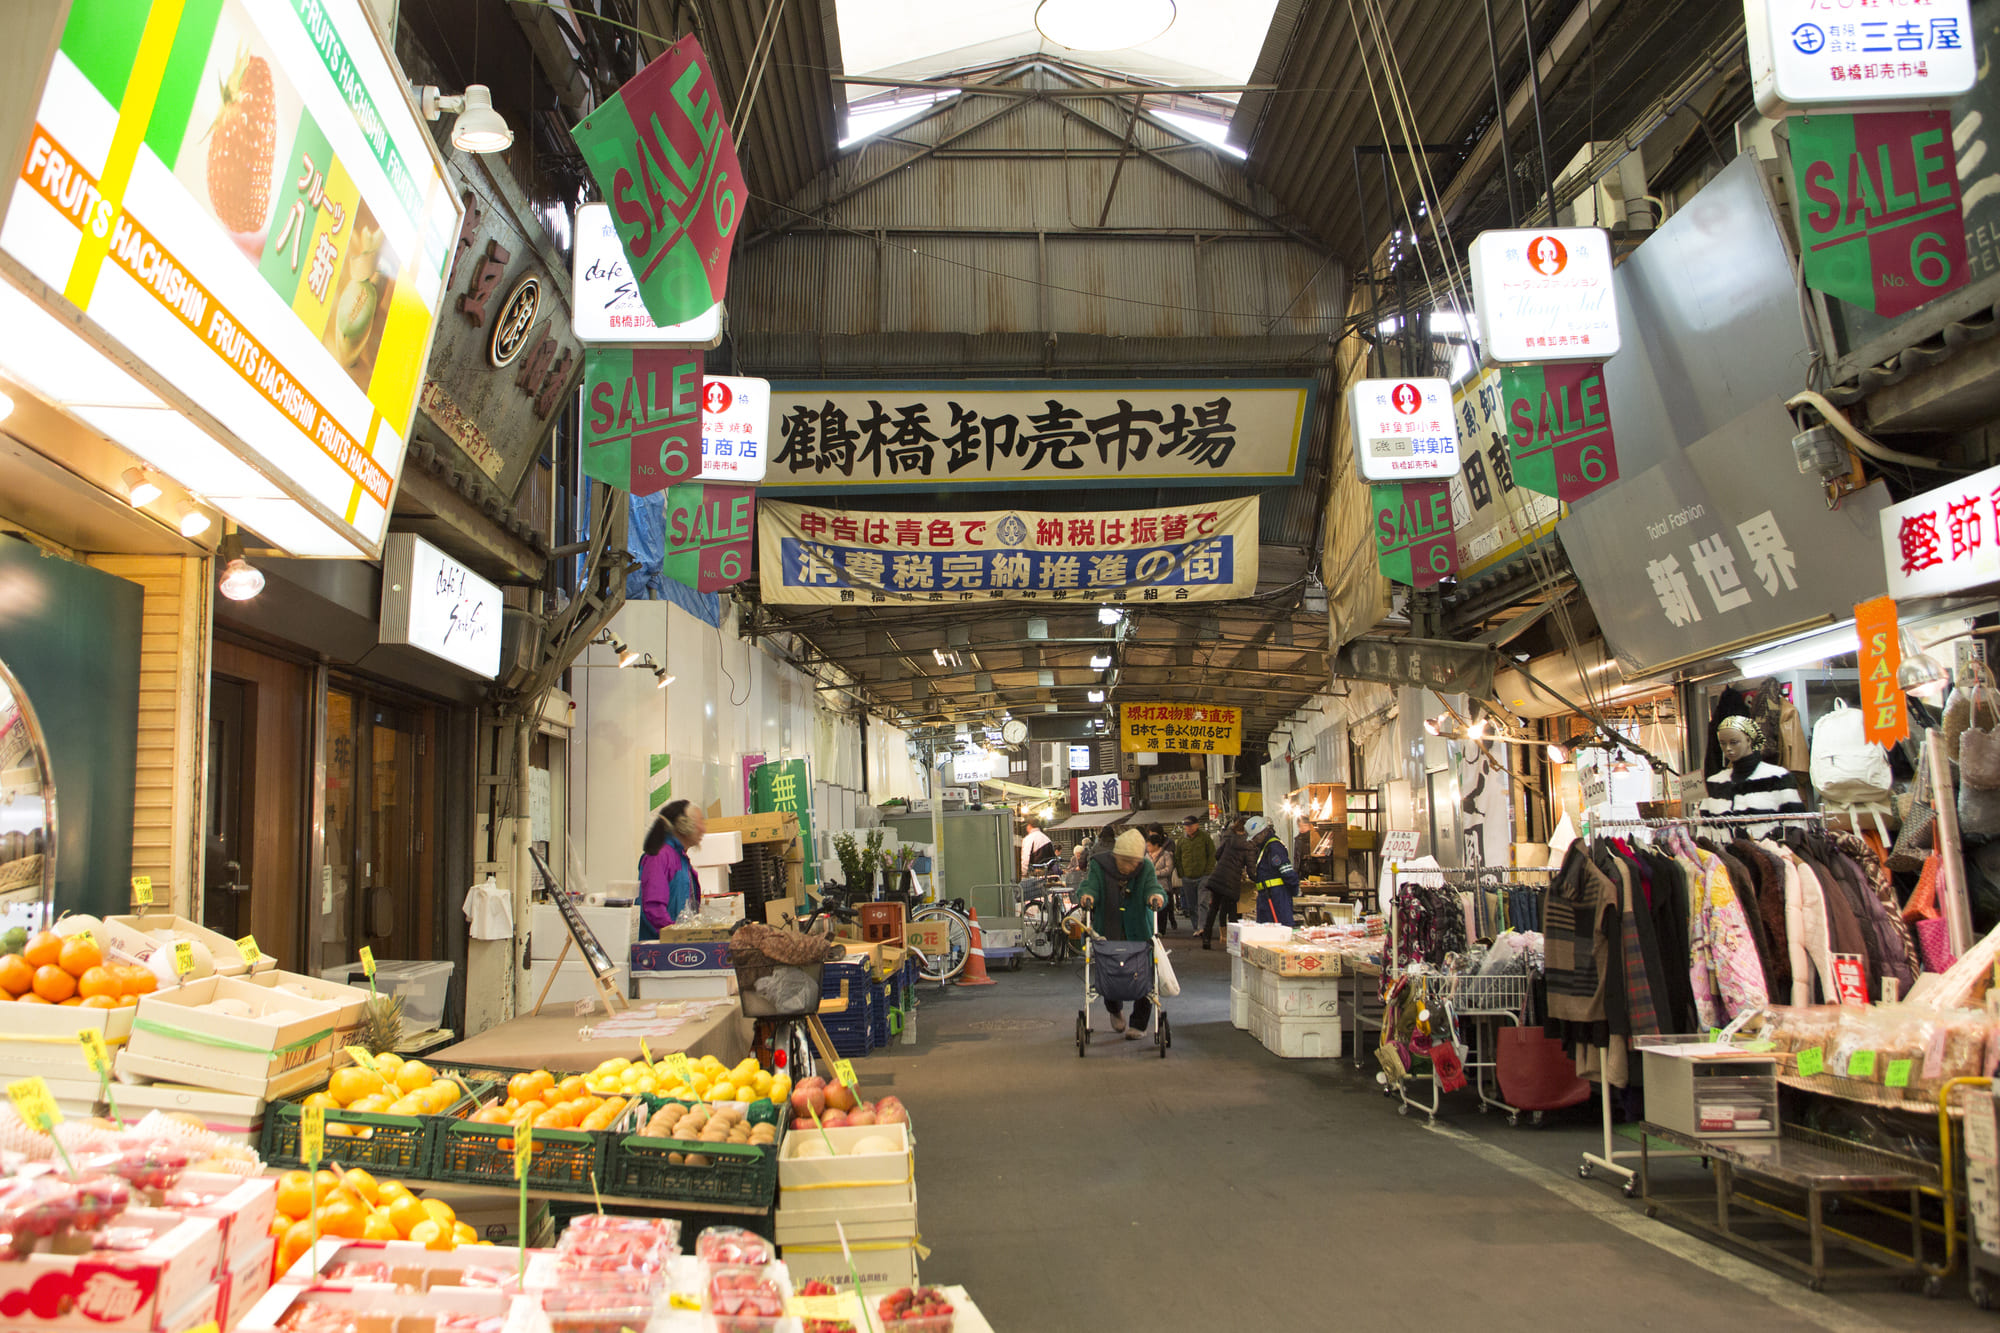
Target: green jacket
column 1195, row 856
column 1120, row 911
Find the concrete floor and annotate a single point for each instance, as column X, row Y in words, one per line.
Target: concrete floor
column 1224, row 1188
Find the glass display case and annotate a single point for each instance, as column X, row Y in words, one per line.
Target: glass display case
column 27, row 804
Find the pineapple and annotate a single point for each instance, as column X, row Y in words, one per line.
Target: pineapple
column 381, row 1024
column 241, row 143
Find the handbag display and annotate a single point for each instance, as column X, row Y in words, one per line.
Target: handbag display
column 1979, row 747
column 1913, row 838
column 1926, row 922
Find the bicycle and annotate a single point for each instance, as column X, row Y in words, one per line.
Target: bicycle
column 942, row 965
column 1052, row 922
column 834, row 901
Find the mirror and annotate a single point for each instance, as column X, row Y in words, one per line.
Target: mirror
column 27, row 805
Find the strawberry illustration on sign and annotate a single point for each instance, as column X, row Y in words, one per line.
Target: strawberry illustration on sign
column 240, row 145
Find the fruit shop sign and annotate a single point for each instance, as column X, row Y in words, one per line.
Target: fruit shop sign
column 1879, row 211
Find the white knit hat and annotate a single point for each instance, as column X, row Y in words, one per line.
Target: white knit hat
column 1130, row 843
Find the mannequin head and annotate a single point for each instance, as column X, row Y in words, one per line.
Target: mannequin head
column 1739, row 738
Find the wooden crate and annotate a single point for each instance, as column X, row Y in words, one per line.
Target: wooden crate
column 782, row 826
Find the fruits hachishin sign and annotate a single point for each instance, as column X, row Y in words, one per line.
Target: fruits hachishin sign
column 1414, row 541
column 1880, row 224
column 1545, row 295
column 1559, row 428
column 665, row 160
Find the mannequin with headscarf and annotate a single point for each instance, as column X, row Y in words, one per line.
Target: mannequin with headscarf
column 1748, row 784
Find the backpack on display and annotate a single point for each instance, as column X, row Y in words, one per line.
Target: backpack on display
column 1848, row 769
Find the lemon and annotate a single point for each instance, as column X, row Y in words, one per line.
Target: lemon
column 439, row 1210
column 761, row 1081
column 618, row 1064
column 710, row 1063
column 645, row 1084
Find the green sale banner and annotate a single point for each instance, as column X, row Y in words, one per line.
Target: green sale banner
column 1879, row 212
column 1559, row 428
column 1414, row 541
column 641, row 417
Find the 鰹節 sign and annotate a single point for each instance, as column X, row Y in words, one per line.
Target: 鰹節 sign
column 1944, row 540
column 1870, row 55
column 1180, row 729
column 1545, row 295
column 1404, row 430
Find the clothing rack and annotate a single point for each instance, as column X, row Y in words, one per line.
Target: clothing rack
column 1392, row 967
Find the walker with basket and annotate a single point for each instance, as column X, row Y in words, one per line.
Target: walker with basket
column 1121, row 971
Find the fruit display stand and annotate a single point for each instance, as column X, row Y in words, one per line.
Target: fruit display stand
column 553, row 1041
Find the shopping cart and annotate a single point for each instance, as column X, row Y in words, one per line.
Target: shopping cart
column 1121, row 970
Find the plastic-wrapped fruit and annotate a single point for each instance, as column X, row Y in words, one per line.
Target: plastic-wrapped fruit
column 153, row 1165
column 34, row 1208
column 733, row 1245
column 743, row 1300
column 99, row 1199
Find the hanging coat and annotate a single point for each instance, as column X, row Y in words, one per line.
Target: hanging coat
column 1119, row 909
column 1722, row 960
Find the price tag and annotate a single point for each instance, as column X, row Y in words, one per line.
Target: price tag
column 680, row 1066
column 844, row 1071
column 1898, row 1075
column 368, row 962
column 247, row 946
column 95, row 1051
column 35, row 1103
column 142, row 890
column 183, row 957
column 816, row 1307
column 645, row 1055
column 210, row 1327
column 362, row 1058
column 1811, row 1061
column 1715, row 1034
column 524, row 1148
column 312, row 1134
column 1861, row 1064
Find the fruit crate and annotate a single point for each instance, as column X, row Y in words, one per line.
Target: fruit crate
column 397, row 1145
column 564, row 1160
column 736, row 1174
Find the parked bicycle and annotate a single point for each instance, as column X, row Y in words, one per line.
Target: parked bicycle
column 1052, row 922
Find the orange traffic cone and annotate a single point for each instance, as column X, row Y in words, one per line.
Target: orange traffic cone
column 975, row 962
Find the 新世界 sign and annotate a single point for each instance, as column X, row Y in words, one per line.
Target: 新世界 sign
column 1205, row 552
column 641, row 417
column 1180, row 729
column 1559, row 428
column 1879, row 209
column 1404, row 430
column 1414, row 541
column 1545, row 295
column 664, row 158
column 981, row 436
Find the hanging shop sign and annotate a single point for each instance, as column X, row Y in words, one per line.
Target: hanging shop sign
column 641, row 417
column 1404, row 430
column 241, row 198
column 1087, row 794
column 1880, row 224
column 786, row 787
column 735, row 428
column 1039, row 433
column 1414, row 541
column 505, row 356
column 1545, row 295
column 1205, row 552
column 1945, row 540
column 709, row 535
column 431, row 601
column 1492, row 515
column 1830, row 54
column 1432, row 664
column 1559, row 429
column 1180, row 729
column 1885, row 719
column 1170, row 789
column 665, row 160
column 1079, row 758
column 608, row 308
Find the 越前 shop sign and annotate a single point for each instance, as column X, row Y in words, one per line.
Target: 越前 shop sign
column 241, row 197
column 1545, row 295
column 1088, row 794
column 1945, row 540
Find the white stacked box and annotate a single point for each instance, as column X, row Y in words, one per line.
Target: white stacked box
column 873, row 1197
column 615, row 928
column 1239, row 1008
column 572, row 981
column 1295, row 997
column 1306, row 1038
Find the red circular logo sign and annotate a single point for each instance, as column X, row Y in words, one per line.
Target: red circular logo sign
column 716, row 398
column 1547, row 256
column 1406, row 398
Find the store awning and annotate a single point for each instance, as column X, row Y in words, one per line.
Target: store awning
column 1092, row 819
column 1016, row 789
column 1172, row 815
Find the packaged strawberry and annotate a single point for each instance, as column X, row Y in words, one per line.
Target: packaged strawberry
column 745, row 1300
column 33, row 1208
column 100, row 1199
column 153, row 1164
column 916, row 1310
column 814, row 1287
column 733, row 1246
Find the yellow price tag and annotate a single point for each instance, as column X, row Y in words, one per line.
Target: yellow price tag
column 95, row 1051
column 524, row 1148
column 362, row 1058
column 312, row 1134
column 183, row 957
column 645, row 1056
column 142, row 890
column 210, row 1327
column 368, row 961
column 247, row 946
column 844, row 1071
column 35, row 1103
column 680, row 1066
column 817, row 1307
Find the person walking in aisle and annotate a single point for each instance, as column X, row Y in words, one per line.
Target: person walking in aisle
column 1162, row 857
column 1121, row 893
column 667, row 886
column 1225, row 882
column 1271, row 872
column 1194, row 857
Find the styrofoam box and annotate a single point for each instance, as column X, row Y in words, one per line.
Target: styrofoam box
column 1294, row 997
column 843, row 1180
column 615, row 928
column 704, row 985
column 242, row 1208
column 1239, row 978
column 1239, row 1009
column 264, row 1058
column 423, row 986
column 1296, row 1038
column 572, row 982
column 228, row 958
column 714, row 882
column 135, row 1290
column 813, row 1209
column 1250, row 932
column 718, row 849
column 233, row 1116
column 882, row 1265
column 41, row 1039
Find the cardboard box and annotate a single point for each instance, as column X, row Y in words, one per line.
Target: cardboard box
column 228, row 958
column 351, row 1000
column 242, row 1208
column 692, row 935
column 615, row 928
column 929, row 937
column 134, row 1290
column 233, row 1116
column 781, row 826
column 243, row 1286
column 415, row 1312
column 1295, row 960
column 174, row 1041
column 716, row 985
column 665, row 956
column 846, row 1181
column 806, row 1210
column 781, row 912
column 883, row 1265
column 41, row 1039
column 861, row 949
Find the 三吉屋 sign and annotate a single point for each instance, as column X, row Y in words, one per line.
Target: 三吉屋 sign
column 1404, row 430
column 1491, row 514
column 785, row 786
column 606, row 299
column 641, row 417
column 1832, row 54
column 1545, row 295
column 432, row 602
column 242, row 199
column 1879, row 208
column 1205, row 552
column 1097, row 793
column 1414, row 541
column 709, row 531
column 735, row 428
column 1180, row 729
column 1885, row 719
column 665, row 160
column 1559, row 428
column 1946, row 539
column 984, row 435
column 1167, row 789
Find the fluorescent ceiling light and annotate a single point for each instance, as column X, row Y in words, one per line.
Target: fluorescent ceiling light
column 1801, row 650
column 1100, row 661
column 1103, row 25
column 1095, row 696
column 289, row 526
column 1109, row 615
column 184, row 451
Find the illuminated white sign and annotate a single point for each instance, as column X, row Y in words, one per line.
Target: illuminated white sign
column 1934, row 543
column 1404, row 430
column 735, row 428
column 605, row 300
column 1858, row 55
column 1079, row 758
column 1545, row 295
column 432, row 602
column 1105, row 793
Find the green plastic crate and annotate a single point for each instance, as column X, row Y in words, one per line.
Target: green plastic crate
column 397, row 1145
column 736, row 1173
column 563, row 1160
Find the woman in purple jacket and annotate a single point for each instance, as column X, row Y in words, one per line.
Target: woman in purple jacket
column 667, row 884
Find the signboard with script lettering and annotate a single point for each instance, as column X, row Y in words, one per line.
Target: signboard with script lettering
column 1545, row 295
column 1404, row 430
column 608, row 308
column 432, row 602
column 1414, row 541
column 1559, row 429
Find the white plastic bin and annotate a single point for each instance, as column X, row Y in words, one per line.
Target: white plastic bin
column 423, row 987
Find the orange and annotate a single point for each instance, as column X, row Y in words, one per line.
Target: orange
column 378, row 1227
column 551, row 1120
column 412, row 1075
column 31, row 998
column 351, row 1083
column 53, row 984
column 433, row 1235
column 343, row 1219
column 73, row 1002
column 96, row 981
column 406, row 1213
column 463, row 1233
column 125, row 1001
column 16, row 976
column 439, row 1210
column 44, row 950
column 362, row 1184
column 78, row 955
column 325, row 1185
column 570, row 1088
column 297, row 1240
column 280, row 1224
column 100, row 1002
column 388, row 1191
column 295, row 1193
column 140, row 981
column 520, row 1088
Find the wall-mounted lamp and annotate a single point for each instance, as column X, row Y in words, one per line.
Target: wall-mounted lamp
column 240, row 580
column 194, row 519
column 479, row 128
column 140, row 488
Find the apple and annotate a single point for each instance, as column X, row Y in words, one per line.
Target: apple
column 834, row 1119
column 808, row 1100
column 861, row 1117
column 840, row 1097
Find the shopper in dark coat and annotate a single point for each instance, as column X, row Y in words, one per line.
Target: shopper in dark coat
column 1194, row 857
column 1225, row 882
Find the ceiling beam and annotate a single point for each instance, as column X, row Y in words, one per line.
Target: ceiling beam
column 1086, row 90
